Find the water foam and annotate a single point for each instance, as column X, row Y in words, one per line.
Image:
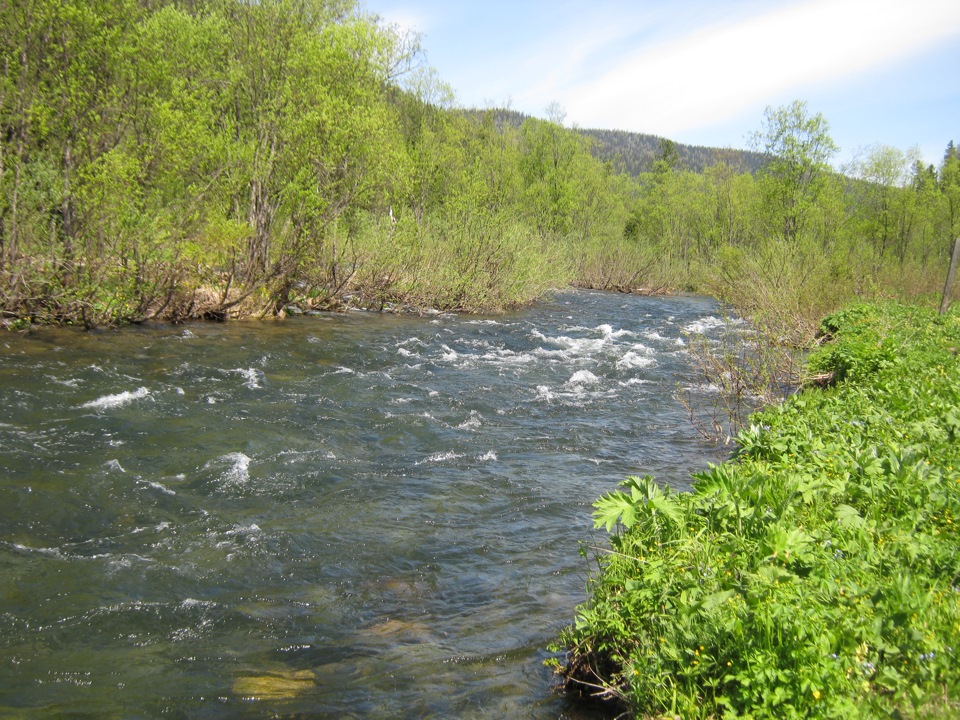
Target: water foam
column 70, row 383
column 545, row 393
column 157, row 486
column 578, row 346
column 440, row 457
column 632, row 360
column 119, row 400
column 473, row 422
column 251, row 376
column 51, row 552
column 557, row 349
column 244, row 530
column 583, row 377
column 189, row 603
column 609, row 332
column 703, row 326
column 237, row 473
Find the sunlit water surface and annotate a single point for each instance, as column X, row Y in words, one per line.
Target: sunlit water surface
column 329, row 517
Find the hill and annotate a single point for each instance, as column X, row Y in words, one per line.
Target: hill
column 634, row 153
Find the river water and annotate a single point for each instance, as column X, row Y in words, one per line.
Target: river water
column 337, row 516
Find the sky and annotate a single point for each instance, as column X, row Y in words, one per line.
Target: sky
column 702, row 72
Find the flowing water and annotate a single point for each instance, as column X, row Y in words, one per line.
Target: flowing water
column 338, row 516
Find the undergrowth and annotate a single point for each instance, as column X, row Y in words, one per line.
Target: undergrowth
column 817, row 573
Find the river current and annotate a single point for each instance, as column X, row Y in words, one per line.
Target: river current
column 336, row 516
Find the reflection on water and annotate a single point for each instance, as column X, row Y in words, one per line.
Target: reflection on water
column 334, row 516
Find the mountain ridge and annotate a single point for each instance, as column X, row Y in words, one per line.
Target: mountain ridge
column 634, row 153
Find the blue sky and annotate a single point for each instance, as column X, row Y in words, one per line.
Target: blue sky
column 703, row 71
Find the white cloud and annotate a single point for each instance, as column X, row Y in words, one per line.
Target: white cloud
column 406, row 18
column 717, row 71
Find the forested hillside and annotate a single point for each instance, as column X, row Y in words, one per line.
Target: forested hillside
column 215, row 158
column 635, row 153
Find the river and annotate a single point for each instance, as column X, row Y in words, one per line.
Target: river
column 337, row 516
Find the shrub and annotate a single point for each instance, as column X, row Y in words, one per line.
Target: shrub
column 816, row 574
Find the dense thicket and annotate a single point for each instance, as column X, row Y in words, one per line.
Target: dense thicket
column 182, row 159
column 209, row 158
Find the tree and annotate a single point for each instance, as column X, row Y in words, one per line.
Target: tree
column 950, row 187
column 549, row 164
column 426, row 119
column 668, row 157
column 883, row 206
column 799, row 149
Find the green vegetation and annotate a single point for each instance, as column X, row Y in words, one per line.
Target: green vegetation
column 218, row 158
column 796, row 240
column 184, row 159
column 817, row 573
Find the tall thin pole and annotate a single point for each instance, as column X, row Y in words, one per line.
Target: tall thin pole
column 945, row 303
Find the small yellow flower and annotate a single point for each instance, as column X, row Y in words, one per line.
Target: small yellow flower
column 816, row 694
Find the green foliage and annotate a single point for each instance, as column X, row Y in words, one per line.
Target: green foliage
column 486, row 264
column 816, row 573
column 797, row 241
column 646, row 502
column 799, row 148
column 218, row 158
column 206, row 159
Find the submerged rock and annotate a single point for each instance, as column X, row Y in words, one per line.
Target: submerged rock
column 401, row 630
column 278, row 685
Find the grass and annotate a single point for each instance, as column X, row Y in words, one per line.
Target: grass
column 815, row 574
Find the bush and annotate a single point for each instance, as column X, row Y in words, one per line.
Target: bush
column 814, row 575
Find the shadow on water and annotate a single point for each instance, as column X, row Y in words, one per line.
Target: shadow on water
column 335, row 516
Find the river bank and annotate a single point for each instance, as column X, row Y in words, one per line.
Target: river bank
column 814, row 575
column 232, row 302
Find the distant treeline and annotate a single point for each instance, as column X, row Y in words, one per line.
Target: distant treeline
column 180, row 159
column 635, row 153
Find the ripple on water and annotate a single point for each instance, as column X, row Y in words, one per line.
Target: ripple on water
column 370, row 515
column 117, row 400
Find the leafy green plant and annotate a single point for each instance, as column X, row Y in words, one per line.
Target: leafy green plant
column 815, row 574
